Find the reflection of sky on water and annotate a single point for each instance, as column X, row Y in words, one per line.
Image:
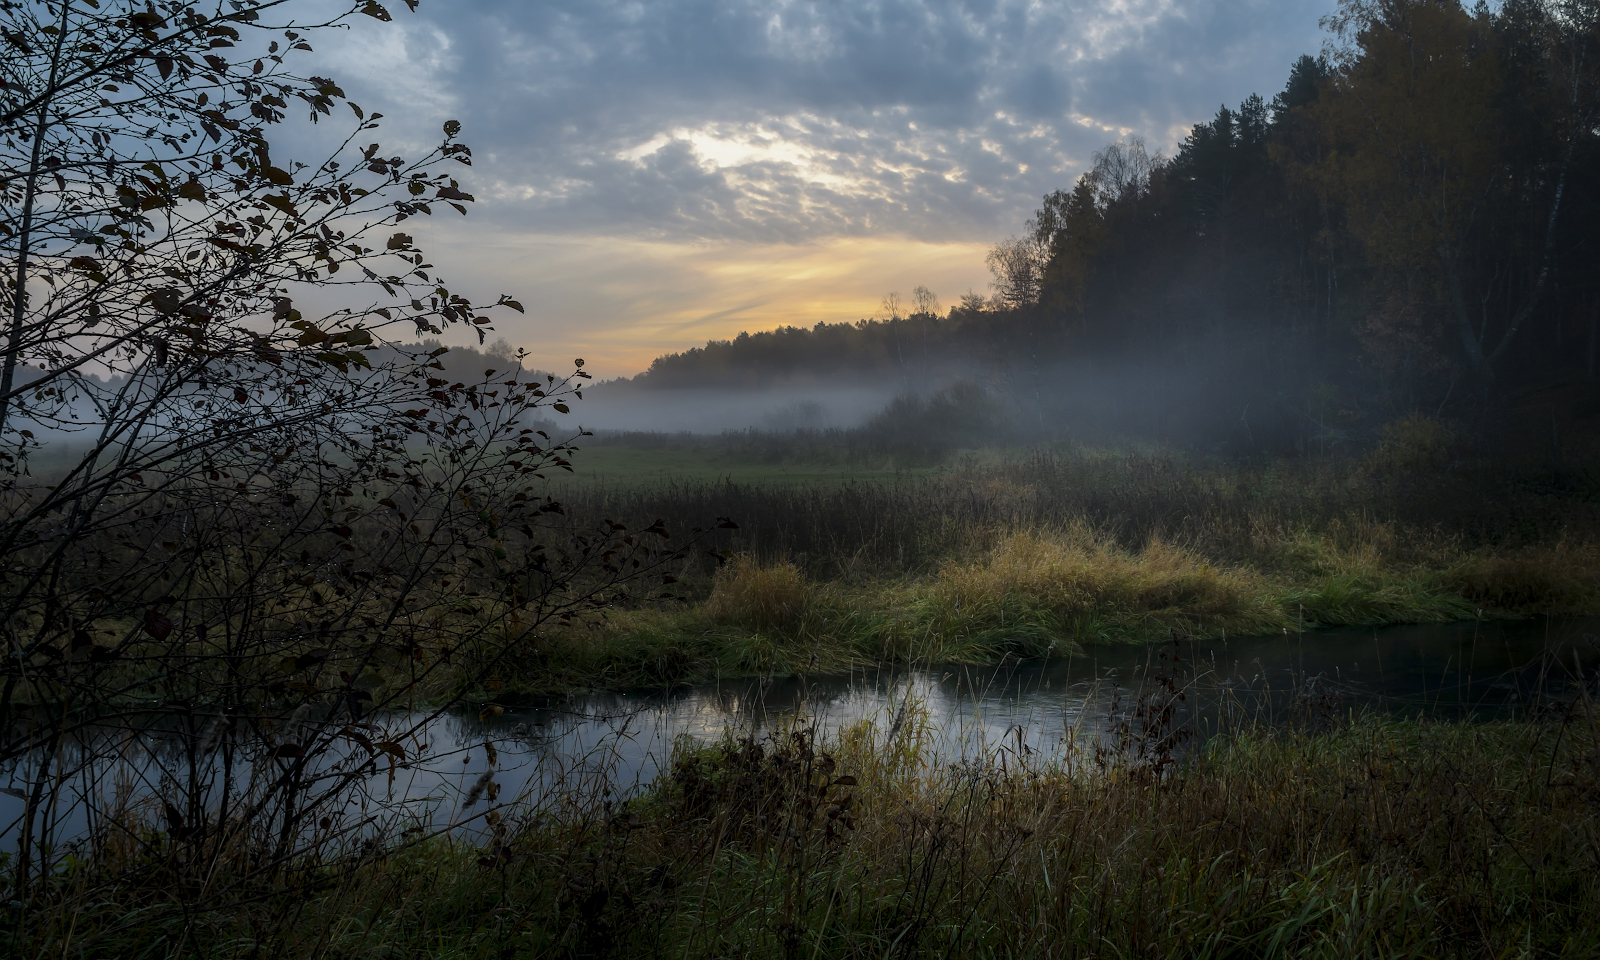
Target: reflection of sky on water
column 623, row 741
column 1448, row 670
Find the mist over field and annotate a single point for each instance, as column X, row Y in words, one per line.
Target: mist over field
column 1239, row 396
column 783, row 408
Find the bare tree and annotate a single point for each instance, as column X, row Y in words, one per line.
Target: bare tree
column 1122, row 171
column 227, row 526
column 1017, row 264
column 891, row 307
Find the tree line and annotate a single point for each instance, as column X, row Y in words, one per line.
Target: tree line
column 1408, row 225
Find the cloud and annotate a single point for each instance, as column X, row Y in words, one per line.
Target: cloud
column 651, row 175
column 794, row 121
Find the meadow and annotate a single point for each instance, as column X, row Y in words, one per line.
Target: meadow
column 823, row 562
column 1021, row 552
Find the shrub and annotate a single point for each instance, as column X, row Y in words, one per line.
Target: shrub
column 750, row 595
column 1414, row 445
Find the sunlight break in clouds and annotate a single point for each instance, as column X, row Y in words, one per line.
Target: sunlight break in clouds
column 620, row 303
column 657, row 174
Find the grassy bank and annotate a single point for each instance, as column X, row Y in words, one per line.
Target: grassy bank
column 1024, row 552
column 1043, row 591
column 1375, row 838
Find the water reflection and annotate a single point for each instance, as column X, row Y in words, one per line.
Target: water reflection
column 620, row 741
column 1456, row 671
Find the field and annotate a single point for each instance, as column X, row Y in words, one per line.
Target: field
column 622, row 465
column 827, row 563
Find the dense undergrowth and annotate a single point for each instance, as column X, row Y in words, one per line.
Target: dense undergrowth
column 1368, row 837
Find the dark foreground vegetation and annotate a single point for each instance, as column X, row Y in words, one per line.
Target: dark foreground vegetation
column 1369, row 837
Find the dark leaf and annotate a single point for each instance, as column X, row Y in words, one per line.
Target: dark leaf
column 166, row 299
column 157, row 625
column 281, row 202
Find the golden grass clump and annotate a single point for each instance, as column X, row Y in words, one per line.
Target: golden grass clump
column 1075, row 573
column 747, row 594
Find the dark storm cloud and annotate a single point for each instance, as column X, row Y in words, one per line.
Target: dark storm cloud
column 790, row 121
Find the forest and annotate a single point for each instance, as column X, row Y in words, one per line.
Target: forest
column 1409, row 225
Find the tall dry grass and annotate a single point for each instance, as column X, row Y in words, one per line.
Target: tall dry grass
column 1229, row 511
column 774, row 597
column 1087, row 584
column 1031, row 555
column 1042, row 591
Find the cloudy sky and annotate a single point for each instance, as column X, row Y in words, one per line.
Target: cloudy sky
column 651, row 175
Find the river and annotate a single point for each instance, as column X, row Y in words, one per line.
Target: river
column 1065, row 706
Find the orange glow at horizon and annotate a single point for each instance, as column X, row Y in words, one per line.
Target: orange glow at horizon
column 620, row 303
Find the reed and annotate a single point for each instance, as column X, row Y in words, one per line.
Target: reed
column 1030, row 553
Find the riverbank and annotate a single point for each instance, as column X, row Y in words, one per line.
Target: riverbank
column 1372, row 837
column 1044, row 593
column 1027, row 553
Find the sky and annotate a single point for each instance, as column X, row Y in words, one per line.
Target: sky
column 653, row 175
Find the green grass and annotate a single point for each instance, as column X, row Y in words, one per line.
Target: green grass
column 1007, row 554
column 1024, row 552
